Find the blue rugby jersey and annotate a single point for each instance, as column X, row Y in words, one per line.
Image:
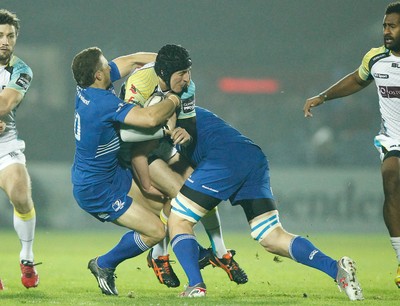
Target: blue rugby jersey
column 212, row 131
column 98, row 113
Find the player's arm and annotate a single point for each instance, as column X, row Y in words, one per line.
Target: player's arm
column 129, row 62
column 154, row 115
column 9, row 99
column 189, row 124
column 350, row 84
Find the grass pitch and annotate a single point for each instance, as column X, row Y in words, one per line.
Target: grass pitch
column 65, row 279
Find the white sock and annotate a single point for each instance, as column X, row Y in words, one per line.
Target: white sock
column 161, row 248
column 396, row 246
column 212, row 225
column 26, row 232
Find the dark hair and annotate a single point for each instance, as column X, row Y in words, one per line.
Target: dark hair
column 393, row 8
column 84, row 66
column 6, row 17
column 170, row 59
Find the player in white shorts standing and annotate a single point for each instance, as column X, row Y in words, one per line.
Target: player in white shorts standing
column 15, row 79
column 383, row 66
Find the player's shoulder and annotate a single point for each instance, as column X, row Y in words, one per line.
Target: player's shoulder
column 144, row 71
column 141, row 84
column 19, row 65
column 376, row 53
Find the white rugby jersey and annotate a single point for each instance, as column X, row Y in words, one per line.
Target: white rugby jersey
column 382, row 66
column 18, row 76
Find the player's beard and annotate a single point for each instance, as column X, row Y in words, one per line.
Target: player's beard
column 5, row 57
column 394, row 45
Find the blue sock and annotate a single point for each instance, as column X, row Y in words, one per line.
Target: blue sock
column 304, row 252
column 186, row 249
column 130, row 245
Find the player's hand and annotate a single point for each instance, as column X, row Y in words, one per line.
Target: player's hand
column 179, row 136
column 310, row 103
column 2, row 126
column 154, row 192
column 174, row 97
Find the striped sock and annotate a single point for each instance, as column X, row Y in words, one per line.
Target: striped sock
column 130, row 245
column 186, row 249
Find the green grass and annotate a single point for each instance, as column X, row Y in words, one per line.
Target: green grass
column 65, row 280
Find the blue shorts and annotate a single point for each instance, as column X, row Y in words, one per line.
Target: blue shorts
column 241, row 175
column 106, row 201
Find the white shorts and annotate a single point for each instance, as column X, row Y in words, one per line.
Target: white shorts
column 385, row 144
column 15, row 157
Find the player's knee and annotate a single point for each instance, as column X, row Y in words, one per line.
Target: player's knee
column 156, row 236
column 22, row 202
column 186, row 209
column 25, row 216
column 265, row 229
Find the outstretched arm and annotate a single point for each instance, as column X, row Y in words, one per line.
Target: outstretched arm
column 350, row 84
column 127, row 63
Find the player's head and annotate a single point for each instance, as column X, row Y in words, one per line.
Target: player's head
column 173, row 65
column 391, row 27
column 9, row 29
column 90, row 65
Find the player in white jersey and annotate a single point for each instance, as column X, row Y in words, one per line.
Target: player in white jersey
column 383, row 66
column 15, row 79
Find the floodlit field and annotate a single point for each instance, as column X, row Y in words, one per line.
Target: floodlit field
column 65, row 279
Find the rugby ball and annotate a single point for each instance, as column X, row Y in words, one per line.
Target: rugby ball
column 154, row 99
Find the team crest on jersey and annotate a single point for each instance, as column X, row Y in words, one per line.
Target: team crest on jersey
column 118, row 205
column 24, row 81
column 389, row 91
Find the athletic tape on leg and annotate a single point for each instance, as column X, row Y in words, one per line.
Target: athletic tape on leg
column 262, row 227
column 184, row 208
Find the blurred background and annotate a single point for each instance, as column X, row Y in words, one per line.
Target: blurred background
column 325, row 170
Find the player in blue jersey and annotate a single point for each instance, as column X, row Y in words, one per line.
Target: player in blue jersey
column 380, row 65
column 169, row 169
column 101, row 186
column 229, row 166
column 15, row 79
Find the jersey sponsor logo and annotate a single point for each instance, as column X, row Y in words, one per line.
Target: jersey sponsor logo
column 381, row 76
column 209, row 188
column 395, row 65
column 13, row 154
column 377, row 58
column 188, row 104
column 118, row 205
column 24, row 81
column 81, row 97
column 389, row 91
